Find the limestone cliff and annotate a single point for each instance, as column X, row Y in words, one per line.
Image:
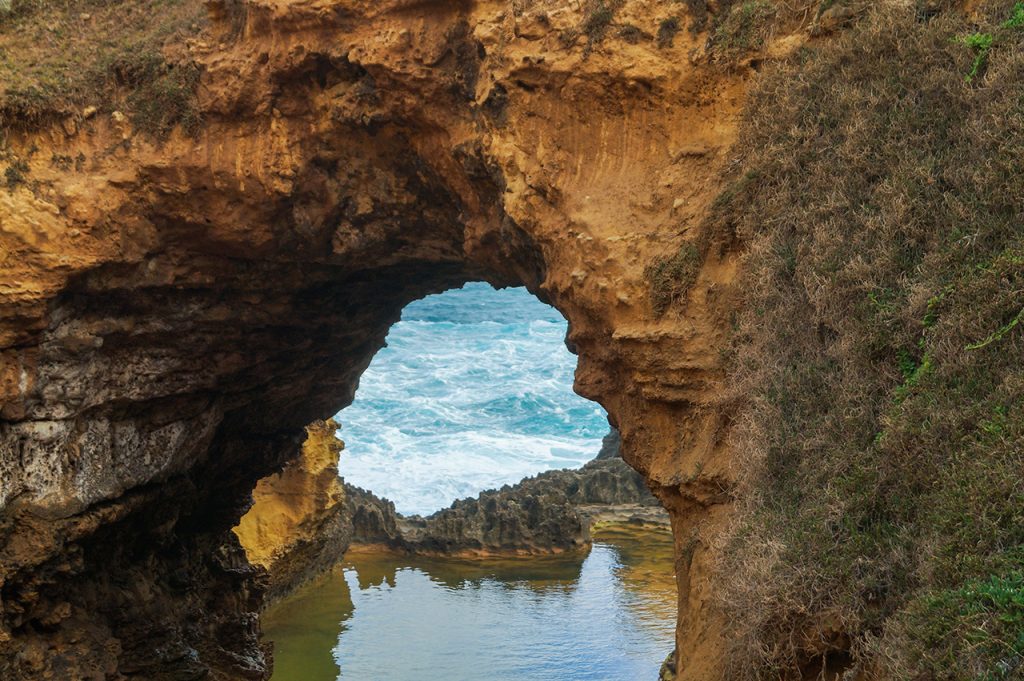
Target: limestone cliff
column 179, row 302
column 177, row 309
column 297, row 527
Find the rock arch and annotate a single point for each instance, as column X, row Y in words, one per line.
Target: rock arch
column 175, row 312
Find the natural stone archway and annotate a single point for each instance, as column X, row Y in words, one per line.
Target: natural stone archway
column 175, row 313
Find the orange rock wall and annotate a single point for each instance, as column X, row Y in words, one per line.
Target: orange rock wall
column 296, row 528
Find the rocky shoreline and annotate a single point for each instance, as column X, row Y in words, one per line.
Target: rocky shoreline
column 550, row 512
column 305, row 518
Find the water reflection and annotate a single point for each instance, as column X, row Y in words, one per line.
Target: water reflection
column 607, row 615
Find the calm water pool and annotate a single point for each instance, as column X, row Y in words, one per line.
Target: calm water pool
column 607, row 615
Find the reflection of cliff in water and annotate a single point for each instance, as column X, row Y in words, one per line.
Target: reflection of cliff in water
column 603, row 614
column 308, row 625
column 538, row 573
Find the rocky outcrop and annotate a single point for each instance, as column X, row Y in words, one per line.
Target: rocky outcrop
column 518, row 519
column 550, row 512
column 175, row 310
column 373, row 520
column 297, row 527
column 611, row 446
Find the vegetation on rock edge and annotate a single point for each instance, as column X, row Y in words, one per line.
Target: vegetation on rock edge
column 882, row 516
column 58, row 57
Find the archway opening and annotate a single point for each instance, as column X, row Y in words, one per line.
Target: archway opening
column 473, row 392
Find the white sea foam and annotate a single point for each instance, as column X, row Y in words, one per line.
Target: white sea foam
column 472, row 392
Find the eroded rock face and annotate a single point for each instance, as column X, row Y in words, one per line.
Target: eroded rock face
column 174, row 313
column 508, row 521
column 374, row 520
column 297, row 527
column 549, row 512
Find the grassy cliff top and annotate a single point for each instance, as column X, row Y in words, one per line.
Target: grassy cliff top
column 58, row 57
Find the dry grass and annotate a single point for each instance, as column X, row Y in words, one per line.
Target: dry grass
column 60, row 56
column 739, row 28
column 670, row 279
column 744, row 28
column 881, row 200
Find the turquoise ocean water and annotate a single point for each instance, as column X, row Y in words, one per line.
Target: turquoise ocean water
column 473, row 391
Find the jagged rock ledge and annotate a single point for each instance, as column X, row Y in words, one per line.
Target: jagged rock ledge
column 547, row 513
column 305, row 517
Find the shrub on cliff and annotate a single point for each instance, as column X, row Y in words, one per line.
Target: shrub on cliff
column 882, row 505
column 161, row 95
column 670, row 279
column 15, row 173
column 667, row 30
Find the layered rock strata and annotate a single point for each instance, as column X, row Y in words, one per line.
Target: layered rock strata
column 297, row 527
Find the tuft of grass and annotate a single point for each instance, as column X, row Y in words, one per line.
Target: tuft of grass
column 670, row 279
column 1016, row 19
column 166, row 100
column 667, row 30
column 697, row 10
column 998, row 334
column 882, row 493
column 974, row 630
column 980, row 44
column 744, row 29
column 631, row 34
column 16, row 173
column 598, row 19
